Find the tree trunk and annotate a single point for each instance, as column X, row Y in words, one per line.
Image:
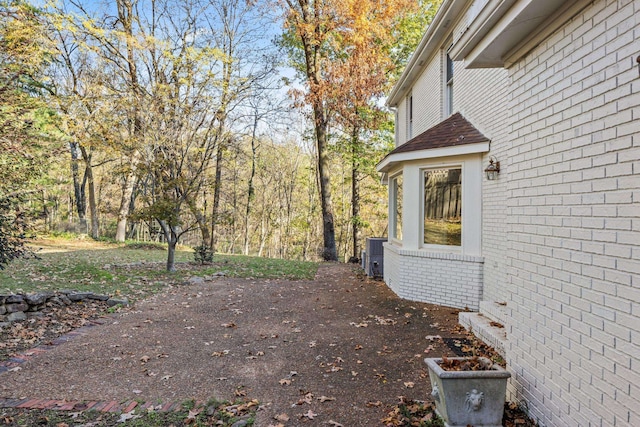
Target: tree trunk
column 171, row 236
column 78, row 187
column 355, row 197
column 216, row 198
column 329, row 252
column 93, row 206
column 125, row 202
column 202, row 222
column 250, row 189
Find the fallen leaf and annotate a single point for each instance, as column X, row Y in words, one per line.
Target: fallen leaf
column 326, row 399
column 144, row 359
column 166, row 377
column 335, row 424
column 285, row 382
column 310, row 414
column 283, row 418
column 127, row 416
column 409, row 384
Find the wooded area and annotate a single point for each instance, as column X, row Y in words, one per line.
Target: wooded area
column 232, row 125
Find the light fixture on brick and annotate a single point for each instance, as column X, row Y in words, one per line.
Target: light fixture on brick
column 493, row 169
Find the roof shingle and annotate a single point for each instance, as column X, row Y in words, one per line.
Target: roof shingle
column 456, row 130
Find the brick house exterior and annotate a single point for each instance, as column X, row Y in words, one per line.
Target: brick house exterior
column 550, row 249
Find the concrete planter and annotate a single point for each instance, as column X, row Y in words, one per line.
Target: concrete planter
column 465, row 398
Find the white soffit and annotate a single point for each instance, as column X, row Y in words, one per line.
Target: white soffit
column 504, row 26
column 392, row 160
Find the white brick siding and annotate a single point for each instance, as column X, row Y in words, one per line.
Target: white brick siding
column 437, row 278
column 481, row 96
column 574, row 222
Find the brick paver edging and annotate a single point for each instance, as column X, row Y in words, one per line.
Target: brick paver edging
column 66, row 405
column 19, row 358
column 101, row 406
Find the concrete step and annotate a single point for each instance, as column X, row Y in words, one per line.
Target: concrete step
column 485, row 328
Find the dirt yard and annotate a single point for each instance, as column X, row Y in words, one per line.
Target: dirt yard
column 338, row 349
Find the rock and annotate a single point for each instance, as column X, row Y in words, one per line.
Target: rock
column 37, row 299
column 98, row 297
column 55, row 301
column 79, row 296
column 16, row 316
column 14, row 299
column 66, row 301
column 195, row 280
column 4, row 325
column 33, row 308
column 14, row 308
column 241, row 423
column 3, row 310
column 112, row 302
column 34, row 314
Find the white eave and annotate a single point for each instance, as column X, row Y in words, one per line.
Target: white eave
column 431, row 42
column 506, row 30
column 389, row 162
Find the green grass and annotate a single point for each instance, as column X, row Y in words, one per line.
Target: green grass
column 132, row 270
column 213, row 413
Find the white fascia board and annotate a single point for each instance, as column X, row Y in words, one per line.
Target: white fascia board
column 390, row 161
column 481, row 25
column 431, row 41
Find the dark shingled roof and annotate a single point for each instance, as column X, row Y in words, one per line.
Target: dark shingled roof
column 456, row 130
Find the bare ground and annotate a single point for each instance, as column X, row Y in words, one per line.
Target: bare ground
column 339, row 348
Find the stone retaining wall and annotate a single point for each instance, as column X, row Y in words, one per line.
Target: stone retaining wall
column 17, row 307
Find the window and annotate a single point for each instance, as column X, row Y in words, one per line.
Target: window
column 449, row 86
column 409, row 117
column 443, row 207
column 396, row 207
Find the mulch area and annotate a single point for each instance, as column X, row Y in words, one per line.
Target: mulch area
column 339, row 349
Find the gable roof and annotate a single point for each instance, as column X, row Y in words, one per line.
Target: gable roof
column 453, row 136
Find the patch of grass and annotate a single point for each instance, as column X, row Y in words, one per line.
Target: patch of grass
column 130, row 270
column 262, row 268
column 214, row 413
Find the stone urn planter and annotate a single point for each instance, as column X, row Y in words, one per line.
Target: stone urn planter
column 468, row 397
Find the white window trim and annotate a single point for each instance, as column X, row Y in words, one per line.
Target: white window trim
column 472, row 171
column 393, row 226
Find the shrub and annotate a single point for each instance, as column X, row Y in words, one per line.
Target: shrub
column 203, row 254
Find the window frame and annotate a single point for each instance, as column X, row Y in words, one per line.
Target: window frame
column 394, row 225
column 409, row 116
column 423, row 171
column 448, row 81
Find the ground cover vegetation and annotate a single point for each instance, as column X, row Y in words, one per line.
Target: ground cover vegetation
column 240, row 127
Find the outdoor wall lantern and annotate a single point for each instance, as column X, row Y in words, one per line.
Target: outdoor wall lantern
column 493, row 169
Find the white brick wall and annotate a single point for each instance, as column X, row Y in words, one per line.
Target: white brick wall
column 437, row 278
column 481, row 96
column 574, row 222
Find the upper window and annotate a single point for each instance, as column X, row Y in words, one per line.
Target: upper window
column 396, row 207
column 449, row 86
column 409, row 116
column 443, row 207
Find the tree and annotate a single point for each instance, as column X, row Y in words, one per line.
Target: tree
column 343, row 50
column 383, row 36
column 26, row 124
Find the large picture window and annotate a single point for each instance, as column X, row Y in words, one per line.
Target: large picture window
column 443, row 207
column 396, row 208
